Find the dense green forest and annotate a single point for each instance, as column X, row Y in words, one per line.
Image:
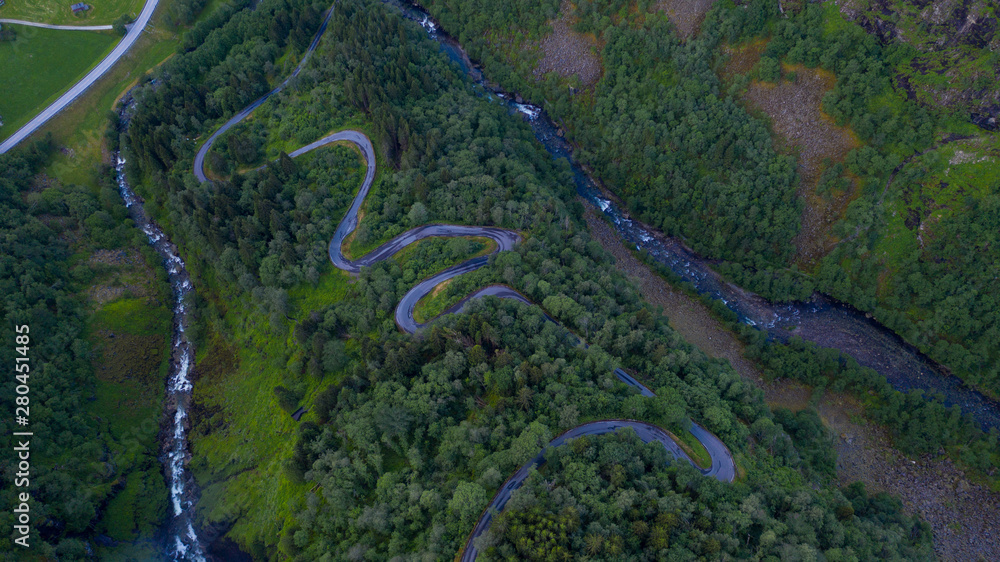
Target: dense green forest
column 679, row 146
column 407, row 437
column 685, row 158
column 94, row 418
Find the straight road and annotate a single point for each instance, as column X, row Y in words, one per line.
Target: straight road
column 62, row 27
column 80, row 87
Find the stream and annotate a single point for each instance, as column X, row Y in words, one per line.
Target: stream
column 821, row 320
column 183, row 540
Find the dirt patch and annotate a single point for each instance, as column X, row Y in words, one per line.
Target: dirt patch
column 802, row 129
column 741, row 59
column 964, row 516
column 686, row 15
column 128, row 275
column 120, row 357
column 220, row 361
column 569, row 53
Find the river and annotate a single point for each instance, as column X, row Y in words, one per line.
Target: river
column 821, row 320
column 183, row 541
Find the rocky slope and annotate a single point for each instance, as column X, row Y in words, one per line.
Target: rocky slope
column 955, row 56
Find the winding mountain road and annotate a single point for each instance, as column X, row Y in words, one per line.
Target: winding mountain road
column 723, row 467
column 60, row 27
column 84, row 84
column 199, row 159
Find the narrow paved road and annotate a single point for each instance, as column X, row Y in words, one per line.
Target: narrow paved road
column 80, row 87
column 62, row 27
column 723, row 468
column 505, row 239
column 199, row 159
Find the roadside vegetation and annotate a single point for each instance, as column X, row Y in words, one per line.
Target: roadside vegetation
column 613, row 496
column 44, row 63
column 457, row 249
column 960, row 504
column 95, row 294
column 81, row 130
column 406, row 438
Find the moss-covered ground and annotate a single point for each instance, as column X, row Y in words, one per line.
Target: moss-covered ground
column 130, row 339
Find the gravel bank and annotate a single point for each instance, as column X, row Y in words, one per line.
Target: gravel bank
column 688, row 316
column 567, row 52
column 793, row 106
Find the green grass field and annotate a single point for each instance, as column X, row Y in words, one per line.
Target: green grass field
column 101, row 12
column 42, row 63
column 131, row 367
column 79, row 127
column 239, row 463
column 130, row 341
column 950, row 175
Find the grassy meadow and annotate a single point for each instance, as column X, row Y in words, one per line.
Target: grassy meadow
column 101, row 12
column 41, row 64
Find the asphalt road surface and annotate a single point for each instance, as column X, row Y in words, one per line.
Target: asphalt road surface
column 505, row 240
column 199, row 159
column 80, row 87
column 62, row 27
column 723, row 468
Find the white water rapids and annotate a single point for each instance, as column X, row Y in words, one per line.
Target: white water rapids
column 184, row 543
